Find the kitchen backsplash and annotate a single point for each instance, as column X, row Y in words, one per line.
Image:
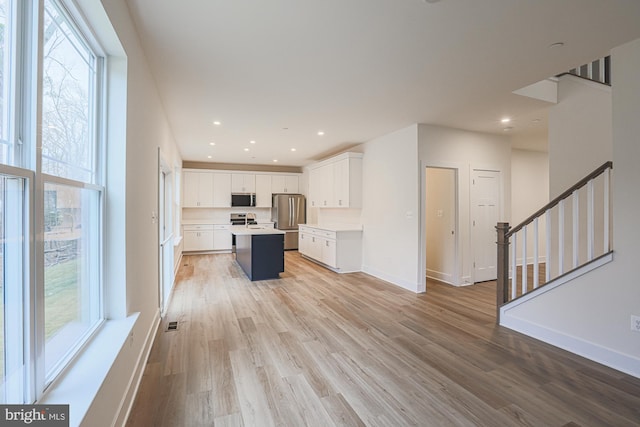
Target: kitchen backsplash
column 221, row 215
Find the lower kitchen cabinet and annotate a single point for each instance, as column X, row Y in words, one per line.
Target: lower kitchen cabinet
column 338, row 249
column 198, row 237
column 207, row 237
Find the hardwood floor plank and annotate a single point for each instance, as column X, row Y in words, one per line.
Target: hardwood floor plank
column 319, row 348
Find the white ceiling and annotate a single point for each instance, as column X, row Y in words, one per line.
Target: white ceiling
column 279, row 71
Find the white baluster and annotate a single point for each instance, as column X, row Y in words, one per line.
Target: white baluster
column 514, row 266
column 547, row 266
column 607, row 177
column 576, row 228
column 536, row 257
column 590, row 220
column 524, row 260
column 561, row 237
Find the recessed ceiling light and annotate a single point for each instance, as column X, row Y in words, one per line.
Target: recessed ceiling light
column 275, row 160
column 217, row 123
column 212, row 143
column 252, row 142
column 507, row 129
column 556, row 45
column 208, row 157
column 246, row 149
column 320, row 133
column 506, row 120
column 293, row 149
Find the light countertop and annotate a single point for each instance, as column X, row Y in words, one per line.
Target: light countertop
column 241, row 230
column 335, row 227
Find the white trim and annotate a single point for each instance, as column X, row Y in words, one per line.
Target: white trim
column 587, row 349
column 413, row 287
column 79, row 385
column 136, row 378
column 605, row 259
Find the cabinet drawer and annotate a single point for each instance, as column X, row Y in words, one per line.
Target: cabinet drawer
column 221, row 227
column 326, row 234
column 198, row 227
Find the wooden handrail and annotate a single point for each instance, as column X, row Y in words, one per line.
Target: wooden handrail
column 554, row 202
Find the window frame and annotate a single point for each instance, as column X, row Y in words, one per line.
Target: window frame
column 26, row 117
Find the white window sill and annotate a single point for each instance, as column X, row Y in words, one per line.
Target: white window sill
column 79, row 384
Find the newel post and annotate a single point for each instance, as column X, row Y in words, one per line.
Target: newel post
column 503, row 267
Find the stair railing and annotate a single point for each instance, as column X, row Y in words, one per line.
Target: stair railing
column 575, row 227
column 597, row 71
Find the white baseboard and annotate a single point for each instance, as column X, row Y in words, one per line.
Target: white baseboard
column 440, row 276
column 136, row 378
column 413, row 287
column 613, row 359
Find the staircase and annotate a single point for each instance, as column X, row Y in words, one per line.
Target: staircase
column 565, row 238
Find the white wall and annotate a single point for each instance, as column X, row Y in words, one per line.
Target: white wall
column 591, row 315
column 391, row 208
column 579, row 132
column 529, row 191
column 462, row 150
column 136, row 114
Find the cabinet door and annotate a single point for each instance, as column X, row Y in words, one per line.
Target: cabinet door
column 197, row 189
column 190, row 190
column 315, row 178
column 329, row 252
column 326, row 186
column 243, row 183
column 221, row 190
column 315, row 248
column 198, row 240
column 303, row 243
column 341, row 183
column 291, row 184
column 263, row 191
column 205, row 189
column 277, row 183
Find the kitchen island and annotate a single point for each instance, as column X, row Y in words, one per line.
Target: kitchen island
column 259, row 251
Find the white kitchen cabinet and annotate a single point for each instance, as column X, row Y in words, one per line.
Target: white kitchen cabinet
column 285, row 184
column 198, row 237
column 339, row 249
column 222, row 238
column 197, row 189
column 337, row 182
column 221, row 190
column 243, row 183
column 315, row 181
column 263, row 191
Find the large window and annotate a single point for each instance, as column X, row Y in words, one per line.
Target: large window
column 51, row 194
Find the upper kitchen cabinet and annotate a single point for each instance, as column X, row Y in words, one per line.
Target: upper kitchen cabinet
column 205, row 189
column 337, row 182
column 221, row 190
column 263, row 191
column 197, row 189
column 285, row 184
column 243, row 183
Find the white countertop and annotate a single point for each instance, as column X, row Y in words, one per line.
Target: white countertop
column 241, row 230
column 335, row 227
column 204, row 222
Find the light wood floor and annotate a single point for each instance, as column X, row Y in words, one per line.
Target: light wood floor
column 321, row 349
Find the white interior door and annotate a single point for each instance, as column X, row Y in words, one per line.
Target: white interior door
column 485, row 213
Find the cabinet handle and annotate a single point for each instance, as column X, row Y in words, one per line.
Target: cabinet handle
column 340, row 202
column 326, row 243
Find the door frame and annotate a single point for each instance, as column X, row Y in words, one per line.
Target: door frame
column 165, row 174
column 422, row 262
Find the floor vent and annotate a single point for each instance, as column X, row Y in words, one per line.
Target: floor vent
column 172, row 326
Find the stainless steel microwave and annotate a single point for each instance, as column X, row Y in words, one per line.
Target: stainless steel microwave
column 246, row 200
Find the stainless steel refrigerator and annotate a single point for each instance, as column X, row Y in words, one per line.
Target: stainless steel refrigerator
column 288, row 210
